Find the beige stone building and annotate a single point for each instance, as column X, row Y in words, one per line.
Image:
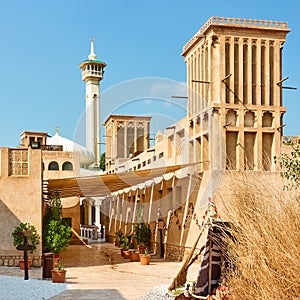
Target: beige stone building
column 20, row 198
column 234, row 75
column 126, row 137
column 233, row 122
column 24, row 172
column 39, row 158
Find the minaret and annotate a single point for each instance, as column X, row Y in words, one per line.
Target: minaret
column 92, row 73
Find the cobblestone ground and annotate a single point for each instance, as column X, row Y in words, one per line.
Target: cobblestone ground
column 100, row 272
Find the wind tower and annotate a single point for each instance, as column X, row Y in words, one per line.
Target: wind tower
column 92, row 74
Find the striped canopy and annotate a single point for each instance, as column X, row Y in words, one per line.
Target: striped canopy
column 92, row 186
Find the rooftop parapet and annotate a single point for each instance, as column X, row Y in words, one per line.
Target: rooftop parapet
column 236, row 22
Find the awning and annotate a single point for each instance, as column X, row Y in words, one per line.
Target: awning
column 92, row 186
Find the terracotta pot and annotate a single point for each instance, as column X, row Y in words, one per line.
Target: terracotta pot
column 22, row 264
column 145, row 259
column 134, row 256
column 126, row 253
column 59, row 276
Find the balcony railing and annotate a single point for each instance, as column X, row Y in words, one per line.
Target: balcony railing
column 52, row 147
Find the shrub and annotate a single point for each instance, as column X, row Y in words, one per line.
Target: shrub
column 57, row 236
column 33, row 240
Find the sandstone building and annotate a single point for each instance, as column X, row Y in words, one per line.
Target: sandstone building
column 234, row 123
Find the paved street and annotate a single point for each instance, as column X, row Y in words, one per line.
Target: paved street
column 101, row 273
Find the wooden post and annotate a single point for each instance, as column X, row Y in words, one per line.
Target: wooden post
column 25, row 247
column 26, row 276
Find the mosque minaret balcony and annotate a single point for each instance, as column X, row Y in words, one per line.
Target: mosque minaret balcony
column 92, row 68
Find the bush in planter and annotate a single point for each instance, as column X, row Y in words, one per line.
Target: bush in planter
column 126, row 242
column 57, row 236
column 119, row 235
column 142, row 235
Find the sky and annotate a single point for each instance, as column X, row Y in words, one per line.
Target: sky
column 44, row 42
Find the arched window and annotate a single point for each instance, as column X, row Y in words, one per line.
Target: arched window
column 67, row 166
column 53, row 166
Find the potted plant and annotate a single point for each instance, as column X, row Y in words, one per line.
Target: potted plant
column 126, row 245
column 142, row 235
column 119, row 235
column 56, row 234
column 59, row 273
column 33, row 240
column 134, row 255
column 145, row 257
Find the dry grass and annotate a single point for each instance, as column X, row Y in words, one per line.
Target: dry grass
column 266, row 254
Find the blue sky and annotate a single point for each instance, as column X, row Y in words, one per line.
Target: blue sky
column 44, row 42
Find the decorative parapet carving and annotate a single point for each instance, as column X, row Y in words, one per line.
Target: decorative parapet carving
column 130, row 125
column 121, row 125
column 140, row 125
column 236, row 22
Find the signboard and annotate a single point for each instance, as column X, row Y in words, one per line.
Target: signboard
column 24, row 247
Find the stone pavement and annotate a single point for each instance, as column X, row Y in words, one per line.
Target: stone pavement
column 101, row 272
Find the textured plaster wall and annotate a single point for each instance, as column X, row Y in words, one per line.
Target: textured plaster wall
column 20, row 200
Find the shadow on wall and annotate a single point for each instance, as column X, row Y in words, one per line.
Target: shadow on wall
column 8, row 222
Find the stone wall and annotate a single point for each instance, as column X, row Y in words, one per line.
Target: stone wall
column 13, row 261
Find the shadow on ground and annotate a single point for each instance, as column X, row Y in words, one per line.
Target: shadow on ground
column 103, row 294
